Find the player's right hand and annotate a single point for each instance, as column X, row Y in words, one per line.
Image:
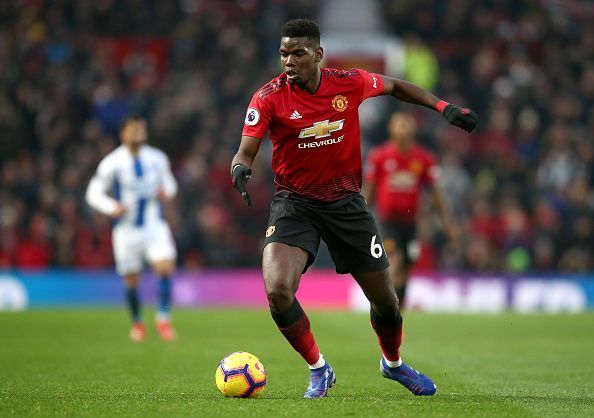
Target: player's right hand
column 241, row 174
column 119, row 211
column 462, row 117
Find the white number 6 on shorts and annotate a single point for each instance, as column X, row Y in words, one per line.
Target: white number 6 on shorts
column 375, row 249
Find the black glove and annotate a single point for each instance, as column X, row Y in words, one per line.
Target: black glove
column 241, row 174
column 461, row 117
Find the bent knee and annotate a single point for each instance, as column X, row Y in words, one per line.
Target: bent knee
column 387, row 308
column 280, row 297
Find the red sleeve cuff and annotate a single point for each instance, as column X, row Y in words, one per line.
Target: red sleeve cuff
column 440, row 105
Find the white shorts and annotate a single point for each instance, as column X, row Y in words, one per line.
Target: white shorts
column 132, row 246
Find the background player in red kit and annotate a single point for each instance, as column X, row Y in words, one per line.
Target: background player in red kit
column 312, row 119
column 396, row 173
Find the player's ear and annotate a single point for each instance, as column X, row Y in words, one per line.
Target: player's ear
column 319, row 53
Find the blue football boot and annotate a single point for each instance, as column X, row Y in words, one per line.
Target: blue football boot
column 416, row 382
column 320, row 380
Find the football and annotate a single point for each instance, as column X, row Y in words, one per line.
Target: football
column 241, row 375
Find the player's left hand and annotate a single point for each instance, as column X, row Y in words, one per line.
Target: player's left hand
column 241, row 174
column 460, row 116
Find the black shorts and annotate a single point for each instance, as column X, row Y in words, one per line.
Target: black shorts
column 347, row 227
column 401, row 237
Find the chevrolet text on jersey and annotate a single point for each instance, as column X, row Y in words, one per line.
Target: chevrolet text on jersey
column 316, row 144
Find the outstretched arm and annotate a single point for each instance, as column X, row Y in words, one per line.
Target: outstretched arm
column 408, row 92
column 241, row 164
column 411, row 93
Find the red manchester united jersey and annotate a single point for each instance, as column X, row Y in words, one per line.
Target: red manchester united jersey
column 399, row 178
column 316, row 140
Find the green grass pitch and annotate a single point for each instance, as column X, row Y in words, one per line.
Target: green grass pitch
column 80, row 363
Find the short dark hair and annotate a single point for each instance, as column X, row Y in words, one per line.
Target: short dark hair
column 301, row 28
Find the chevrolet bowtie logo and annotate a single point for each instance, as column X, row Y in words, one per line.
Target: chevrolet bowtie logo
column 322, row 129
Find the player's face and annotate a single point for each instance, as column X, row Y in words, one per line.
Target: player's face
column 300, row 58
column 402, row 128
column 134, row 133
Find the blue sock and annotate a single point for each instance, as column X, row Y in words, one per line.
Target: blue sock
column 133, row 299
column 164, row 295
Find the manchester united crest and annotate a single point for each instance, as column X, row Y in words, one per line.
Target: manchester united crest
column 416, row 166
column 340, row 103
column 270, row 231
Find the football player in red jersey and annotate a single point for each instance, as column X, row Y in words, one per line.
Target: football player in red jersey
column 311, row 114
column 396, row 173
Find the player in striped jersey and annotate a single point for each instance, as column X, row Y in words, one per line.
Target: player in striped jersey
column 131, row 185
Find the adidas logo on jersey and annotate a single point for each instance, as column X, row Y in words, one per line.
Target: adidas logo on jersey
column 295, row 115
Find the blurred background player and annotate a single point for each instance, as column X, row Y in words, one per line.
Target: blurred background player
column 141, row 181
column 396, row 173
column 312, row 118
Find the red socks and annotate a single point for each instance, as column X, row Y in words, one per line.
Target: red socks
column 301, row 338
column 389, row 334
column 294, row 324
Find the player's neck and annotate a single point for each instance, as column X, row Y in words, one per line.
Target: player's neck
column 134, row 149
column 403, row 147
column 314, row 83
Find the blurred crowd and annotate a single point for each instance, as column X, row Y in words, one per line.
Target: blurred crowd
column 521, row 186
